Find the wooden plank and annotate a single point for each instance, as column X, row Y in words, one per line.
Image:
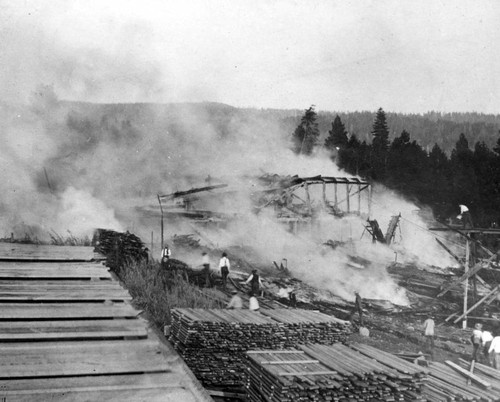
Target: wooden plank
column 490, row 293
column 468, row 375
column 26, row 284
column 307, row 373
column 81, row 329
column 264, row 362
column 36, row 252
column 475, row 269
column 132, row 381
column 65, row 295
column 43, row 311
column 53, row 359
column 164, row 394
column 35, row 270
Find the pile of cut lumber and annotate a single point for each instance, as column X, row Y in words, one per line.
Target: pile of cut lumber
column 118, row 247
column 450, row 381
column 213, row 342
column 332, row 372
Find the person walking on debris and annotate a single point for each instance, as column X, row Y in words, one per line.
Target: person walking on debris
column 486, row 339
column 495, row 348
column 358, row 308
column 475, row 339
column 235, row 302
column 429, row 335
column 253, row 303
column 224, row 266
column 465, row 216
column 292, row 297
column 255, row 282
column 205, row 261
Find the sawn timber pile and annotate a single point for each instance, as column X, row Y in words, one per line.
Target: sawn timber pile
column 213, row 342
column 334, row 372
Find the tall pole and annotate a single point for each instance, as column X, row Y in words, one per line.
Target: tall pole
column 161, row 224
column 466, row 283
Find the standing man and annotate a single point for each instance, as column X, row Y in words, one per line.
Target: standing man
column 465, row 216
column 224, row 267
column 495, row 348
column 205, row 261
column 165, row 256
column 358, row 308
column 429, row 335
column 255, row 282
column 486, row 339
column 475, row 339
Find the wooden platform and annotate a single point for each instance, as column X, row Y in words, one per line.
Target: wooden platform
column 68, row 333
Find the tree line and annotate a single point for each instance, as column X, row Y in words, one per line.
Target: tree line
column 428, row 177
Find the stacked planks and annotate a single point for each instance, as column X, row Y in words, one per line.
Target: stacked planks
column 447, row 382
column 330, row 372
column 213, row 342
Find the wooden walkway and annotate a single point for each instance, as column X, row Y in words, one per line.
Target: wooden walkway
column 68, row 333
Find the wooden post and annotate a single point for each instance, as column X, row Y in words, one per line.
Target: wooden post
column 347, row 191
column 359, row 199
column 152, row 243
column 161, row 223
column 308, row 198
column 466, row 283
column 369, row 201
column 324, row 194
column 336, row 199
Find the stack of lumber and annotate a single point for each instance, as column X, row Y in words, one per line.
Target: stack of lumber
column 118, row 247
column 213, row 342
column 450, row 382
column 334, row 372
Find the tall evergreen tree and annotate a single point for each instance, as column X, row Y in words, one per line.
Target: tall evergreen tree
column 380, row 146
column 337, row 136
column 306, row 134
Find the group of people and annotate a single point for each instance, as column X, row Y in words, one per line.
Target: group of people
column 484, row 341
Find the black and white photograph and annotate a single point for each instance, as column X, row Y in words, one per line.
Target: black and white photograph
column 246, row 201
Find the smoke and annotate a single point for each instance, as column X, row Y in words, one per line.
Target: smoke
column 71, row 166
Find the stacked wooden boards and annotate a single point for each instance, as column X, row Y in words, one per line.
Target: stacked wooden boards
column 213, row 342
column 331, row 372
column 68, row 332
column 446, row 382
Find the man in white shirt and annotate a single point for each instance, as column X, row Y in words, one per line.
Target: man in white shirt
column 224, row 266
column 465, row 216
column 486, row 339
column 429, row 335
column 495, row 348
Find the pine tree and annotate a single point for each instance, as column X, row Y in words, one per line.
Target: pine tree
column 306, row 134
column 379, row 146
column 380, row 132
column 337, row 136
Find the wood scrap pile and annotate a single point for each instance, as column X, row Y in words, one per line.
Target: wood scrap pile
column 213, row 342
column 450, row 381
column 118, row 247
column 186, row 241
column 335, row 372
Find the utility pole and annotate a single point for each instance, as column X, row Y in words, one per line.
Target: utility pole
column 466, row 282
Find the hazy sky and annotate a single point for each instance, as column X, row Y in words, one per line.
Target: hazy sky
column 409, row 56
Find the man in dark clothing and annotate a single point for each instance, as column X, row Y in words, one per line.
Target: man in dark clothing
column 358, row 308
column 255, row 282
column 205, row 261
